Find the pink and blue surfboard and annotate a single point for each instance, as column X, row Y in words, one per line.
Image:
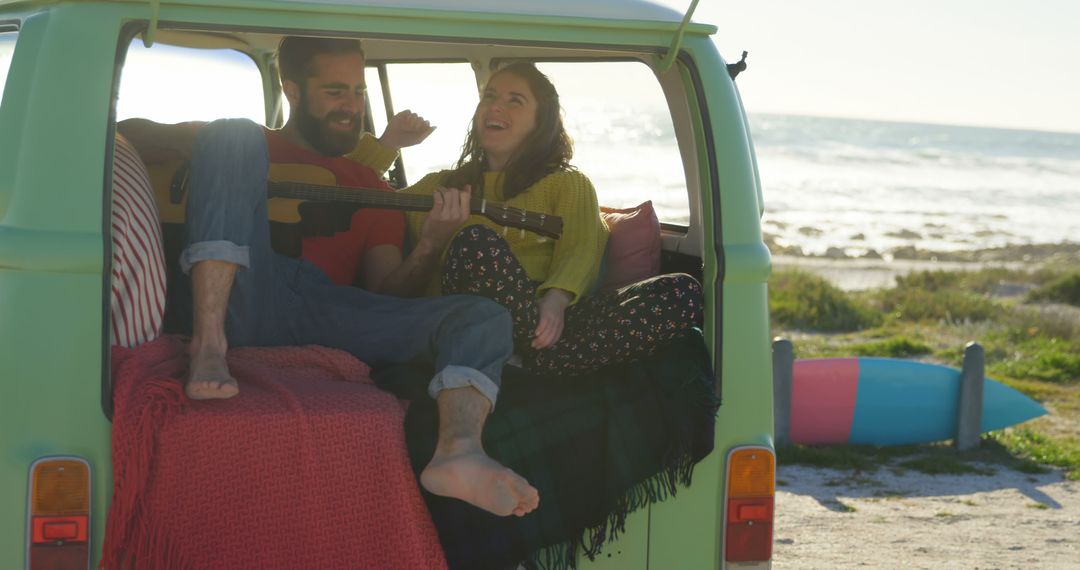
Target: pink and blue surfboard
column 885, row 401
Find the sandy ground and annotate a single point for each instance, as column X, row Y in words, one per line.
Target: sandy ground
column 896, row 518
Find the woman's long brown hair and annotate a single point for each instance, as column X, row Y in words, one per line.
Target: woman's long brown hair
column 545, row 150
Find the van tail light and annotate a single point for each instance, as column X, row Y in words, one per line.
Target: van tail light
column 750, row 495
column 58, row 531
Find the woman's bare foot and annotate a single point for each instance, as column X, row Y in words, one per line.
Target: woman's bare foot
column 473, row 477
column 209, row 377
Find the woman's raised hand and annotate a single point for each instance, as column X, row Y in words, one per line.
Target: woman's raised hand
column 552, row 311
column 450, row 210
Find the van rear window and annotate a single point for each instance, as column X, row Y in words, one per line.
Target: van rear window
column 170, row 84
column 624, row 138
column 615, row 112
column 7, row 48
column 449, row 107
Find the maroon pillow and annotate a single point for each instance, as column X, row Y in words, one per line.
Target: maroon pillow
column 633, row 248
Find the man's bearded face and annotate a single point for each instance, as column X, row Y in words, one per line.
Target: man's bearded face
column 326, row 134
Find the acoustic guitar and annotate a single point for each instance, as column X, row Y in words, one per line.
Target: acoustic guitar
column 547, row 225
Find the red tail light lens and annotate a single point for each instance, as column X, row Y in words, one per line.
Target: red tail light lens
column 750, row 499
column 59, row 525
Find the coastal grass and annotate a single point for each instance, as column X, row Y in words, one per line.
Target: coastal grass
column 805, row 301
column 1064, row 288
column 934, row 296
column 858, row 458
column 1041, row 449
column 1026, row 320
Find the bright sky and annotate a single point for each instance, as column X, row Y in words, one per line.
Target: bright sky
column 999, row 63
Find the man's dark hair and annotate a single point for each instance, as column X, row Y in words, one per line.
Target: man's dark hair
column 295, row 54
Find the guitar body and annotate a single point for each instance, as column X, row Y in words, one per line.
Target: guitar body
column 284, row 210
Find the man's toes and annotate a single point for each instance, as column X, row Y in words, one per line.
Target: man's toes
column 228, row 387
column 211, row 389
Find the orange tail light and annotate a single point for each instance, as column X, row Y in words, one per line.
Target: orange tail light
column 59, row 526
column 750, row 498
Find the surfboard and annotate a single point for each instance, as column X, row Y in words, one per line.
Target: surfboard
column 886, row 401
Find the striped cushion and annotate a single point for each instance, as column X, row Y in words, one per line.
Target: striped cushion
column 138, row 264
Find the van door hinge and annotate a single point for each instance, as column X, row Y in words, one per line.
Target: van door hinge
column 663, row 63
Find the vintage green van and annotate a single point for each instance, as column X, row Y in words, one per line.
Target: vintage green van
column 649, row 100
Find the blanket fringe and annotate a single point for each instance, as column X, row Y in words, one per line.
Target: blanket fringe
column 154, row 401
column 678, row 469
column 659, row 487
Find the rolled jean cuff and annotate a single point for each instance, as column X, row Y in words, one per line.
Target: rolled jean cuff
column 221, row 250
column 454, row 376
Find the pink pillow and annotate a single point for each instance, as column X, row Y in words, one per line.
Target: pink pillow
column 633, row 248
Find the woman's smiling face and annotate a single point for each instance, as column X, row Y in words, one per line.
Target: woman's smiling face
column 504, row 117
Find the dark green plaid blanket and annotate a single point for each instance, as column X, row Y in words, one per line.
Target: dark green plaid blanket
column 596, row 447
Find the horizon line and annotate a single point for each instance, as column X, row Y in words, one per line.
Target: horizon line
column 926, row 122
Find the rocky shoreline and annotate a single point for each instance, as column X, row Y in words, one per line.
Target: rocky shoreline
column 1037, row 253
column 875, row 272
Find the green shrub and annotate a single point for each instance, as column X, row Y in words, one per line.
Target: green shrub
column 804, row 301
column 929, row 280
column 1064, row 289
column 1032, row 355
column 1041, row 362
column 988, row 280
column 1047, row 320
column 928, row 298
column 896, row 347
column 1029, row 444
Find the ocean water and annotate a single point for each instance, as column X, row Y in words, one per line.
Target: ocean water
column 858, row 185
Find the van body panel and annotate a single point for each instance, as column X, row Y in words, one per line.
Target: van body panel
column 55, row 144
column 53, row 132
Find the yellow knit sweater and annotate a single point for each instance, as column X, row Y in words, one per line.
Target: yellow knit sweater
column 571, row 262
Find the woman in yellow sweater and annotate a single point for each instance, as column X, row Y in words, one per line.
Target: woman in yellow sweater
column 517, row 152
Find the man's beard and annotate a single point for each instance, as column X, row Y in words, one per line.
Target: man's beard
column 325, row 139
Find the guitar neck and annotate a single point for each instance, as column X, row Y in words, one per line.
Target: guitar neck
column 367, row 197
column 543, row 224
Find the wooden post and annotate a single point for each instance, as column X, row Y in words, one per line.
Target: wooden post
column 970, row 405
column 783, row 362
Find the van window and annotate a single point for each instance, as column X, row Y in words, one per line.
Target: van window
column 615, row 112
column 171, row 84
column 7, row 48
column 624, row 139
column 444, row 94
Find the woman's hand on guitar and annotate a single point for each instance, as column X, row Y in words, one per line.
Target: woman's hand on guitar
column 450, row 210
column 552, row 310
column 405, row 129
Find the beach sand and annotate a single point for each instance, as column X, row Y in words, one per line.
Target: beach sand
column 896, row 518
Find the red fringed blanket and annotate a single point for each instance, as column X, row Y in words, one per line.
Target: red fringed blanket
column 306, row 468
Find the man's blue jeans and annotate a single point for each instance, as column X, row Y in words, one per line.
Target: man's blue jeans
column 280, row 301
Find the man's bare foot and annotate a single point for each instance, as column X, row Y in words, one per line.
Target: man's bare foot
column 479, row 480
column 209, row 377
